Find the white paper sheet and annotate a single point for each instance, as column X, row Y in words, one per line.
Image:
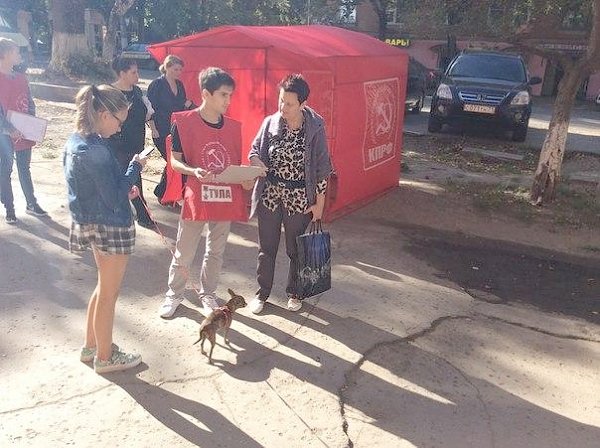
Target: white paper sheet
column 32, row 128
column 235, row 174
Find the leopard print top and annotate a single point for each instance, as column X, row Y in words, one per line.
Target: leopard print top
column 287, row 164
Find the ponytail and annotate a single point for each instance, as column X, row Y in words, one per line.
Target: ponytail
column 170, row 60
column 91, row 100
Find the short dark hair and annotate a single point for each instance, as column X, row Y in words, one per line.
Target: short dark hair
column 120, row 64
column 211, row 78
column 295, row 83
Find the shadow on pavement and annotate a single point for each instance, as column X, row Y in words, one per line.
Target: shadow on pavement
column 20, row 265
column 407, row 391
column 431, row 402
column 551, row 281
column 167, row 407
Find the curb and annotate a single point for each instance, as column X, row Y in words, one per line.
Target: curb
column 52, row 92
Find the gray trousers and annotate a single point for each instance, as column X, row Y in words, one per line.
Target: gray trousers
column 189, row 235
column 269, row 233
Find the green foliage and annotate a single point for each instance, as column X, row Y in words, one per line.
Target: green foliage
column 490, row 18
column 163, row 21
column 88, row 68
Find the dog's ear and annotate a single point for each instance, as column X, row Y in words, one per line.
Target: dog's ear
column 231, row 293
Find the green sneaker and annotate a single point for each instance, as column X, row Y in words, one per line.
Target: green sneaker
column 118, row 361
column 88, row 353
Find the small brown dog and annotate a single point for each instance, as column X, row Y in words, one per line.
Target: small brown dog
column 217, row 319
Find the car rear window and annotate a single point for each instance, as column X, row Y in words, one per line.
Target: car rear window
column 488, row 67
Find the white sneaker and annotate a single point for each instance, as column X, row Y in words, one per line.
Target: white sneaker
column 294, row 304
column 208, row 304
column 118, row 361
column 256, row 305
column 167, row 309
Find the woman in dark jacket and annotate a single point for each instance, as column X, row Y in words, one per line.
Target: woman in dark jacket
column 167, row 95
column 130, row 140
column 291, row 145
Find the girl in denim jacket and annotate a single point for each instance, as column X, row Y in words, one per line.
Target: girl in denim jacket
column 99, row 195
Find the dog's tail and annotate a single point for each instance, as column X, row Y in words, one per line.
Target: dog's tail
column 201, row 335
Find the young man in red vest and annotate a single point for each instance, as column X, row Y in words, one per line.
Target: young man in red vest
column 204, row 143
column 14, row 96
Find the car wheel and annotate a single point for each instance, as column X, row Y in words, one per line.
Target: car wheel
column 434, row 124
column 520, row 132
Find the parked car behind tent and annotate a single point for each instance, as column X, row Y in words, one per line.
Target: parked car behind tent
column 357, row 85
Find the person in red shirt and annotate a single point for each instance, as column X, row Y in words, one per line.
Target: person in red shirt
column 14, row 96
column 204, row 143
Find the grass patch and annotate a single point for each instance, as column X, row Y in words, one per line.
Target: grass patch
column 576, row 207
column 593, row 249
column 571, row 208
column 450, row 152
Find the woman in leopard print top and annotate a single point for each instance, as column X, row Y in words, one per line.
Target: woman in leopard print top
column 291, row 145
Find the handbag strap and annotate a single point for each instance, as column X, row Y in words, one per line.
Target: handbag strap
column 316, row 227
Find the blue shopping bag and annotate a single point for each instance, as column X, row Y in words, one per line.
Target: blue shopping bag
column 314, row 261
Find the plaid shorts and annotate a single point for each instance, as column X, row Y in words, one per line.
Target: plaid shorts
column 107, row 239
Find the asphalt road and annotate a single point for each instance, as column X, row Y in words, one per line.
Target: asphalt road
column 584, row 129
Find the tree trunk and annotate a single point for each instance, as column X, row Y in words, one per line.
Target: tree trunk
column 110, row 38
column 141, row 11
column 549, row 166
column 108, row 44
column 379, row 7
column 65, row 45
column 68, row 31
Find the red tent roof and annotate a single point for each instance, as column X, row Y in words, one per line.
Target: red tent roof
column 317, row 41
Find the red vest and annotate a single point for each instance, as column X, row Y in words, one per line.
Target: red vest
column 14, row 95
column 213, row 150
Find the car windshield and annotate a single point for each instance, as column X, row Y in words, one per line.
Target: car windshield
column 488, row 67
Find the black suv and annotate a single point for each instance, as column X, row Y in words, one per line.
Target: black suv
column 484, row 87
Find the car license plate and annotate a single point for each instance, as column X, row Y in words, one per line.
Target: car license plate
column 479, row 109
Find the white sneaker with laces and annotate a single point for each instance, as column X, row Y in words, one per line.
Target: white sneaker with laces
column 209, row 303
column 167, row 309
column 118, row 361
column 294, row 304
column 256, row 305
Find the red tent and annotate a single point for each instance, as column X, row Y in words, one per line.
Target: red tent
column 357, row 84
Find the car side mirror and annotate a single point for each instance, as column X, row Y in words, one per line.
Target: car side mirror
column 535, row 80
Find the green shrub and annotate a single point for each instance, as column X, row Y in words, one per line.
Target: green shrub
column 87, row 68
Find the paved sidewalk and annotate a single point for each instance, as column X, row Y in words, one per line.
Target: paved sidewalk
column 395, row 355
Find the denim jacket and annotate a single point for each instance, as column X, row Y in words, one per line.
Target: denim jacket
column 97, row 188
column 317, row 164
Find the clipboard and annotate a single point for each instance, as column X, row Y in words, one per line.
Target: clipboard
column 236, row 174
column 32, row 128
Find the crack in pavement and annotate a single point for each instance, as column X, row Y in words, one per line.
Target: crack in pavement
column 537, row 330
column 55, row 402
column 352, row 372
column 425, row 332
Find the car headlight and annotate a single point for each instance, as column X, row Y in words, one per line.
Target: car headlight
column 521, row 99
column 444, row 92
